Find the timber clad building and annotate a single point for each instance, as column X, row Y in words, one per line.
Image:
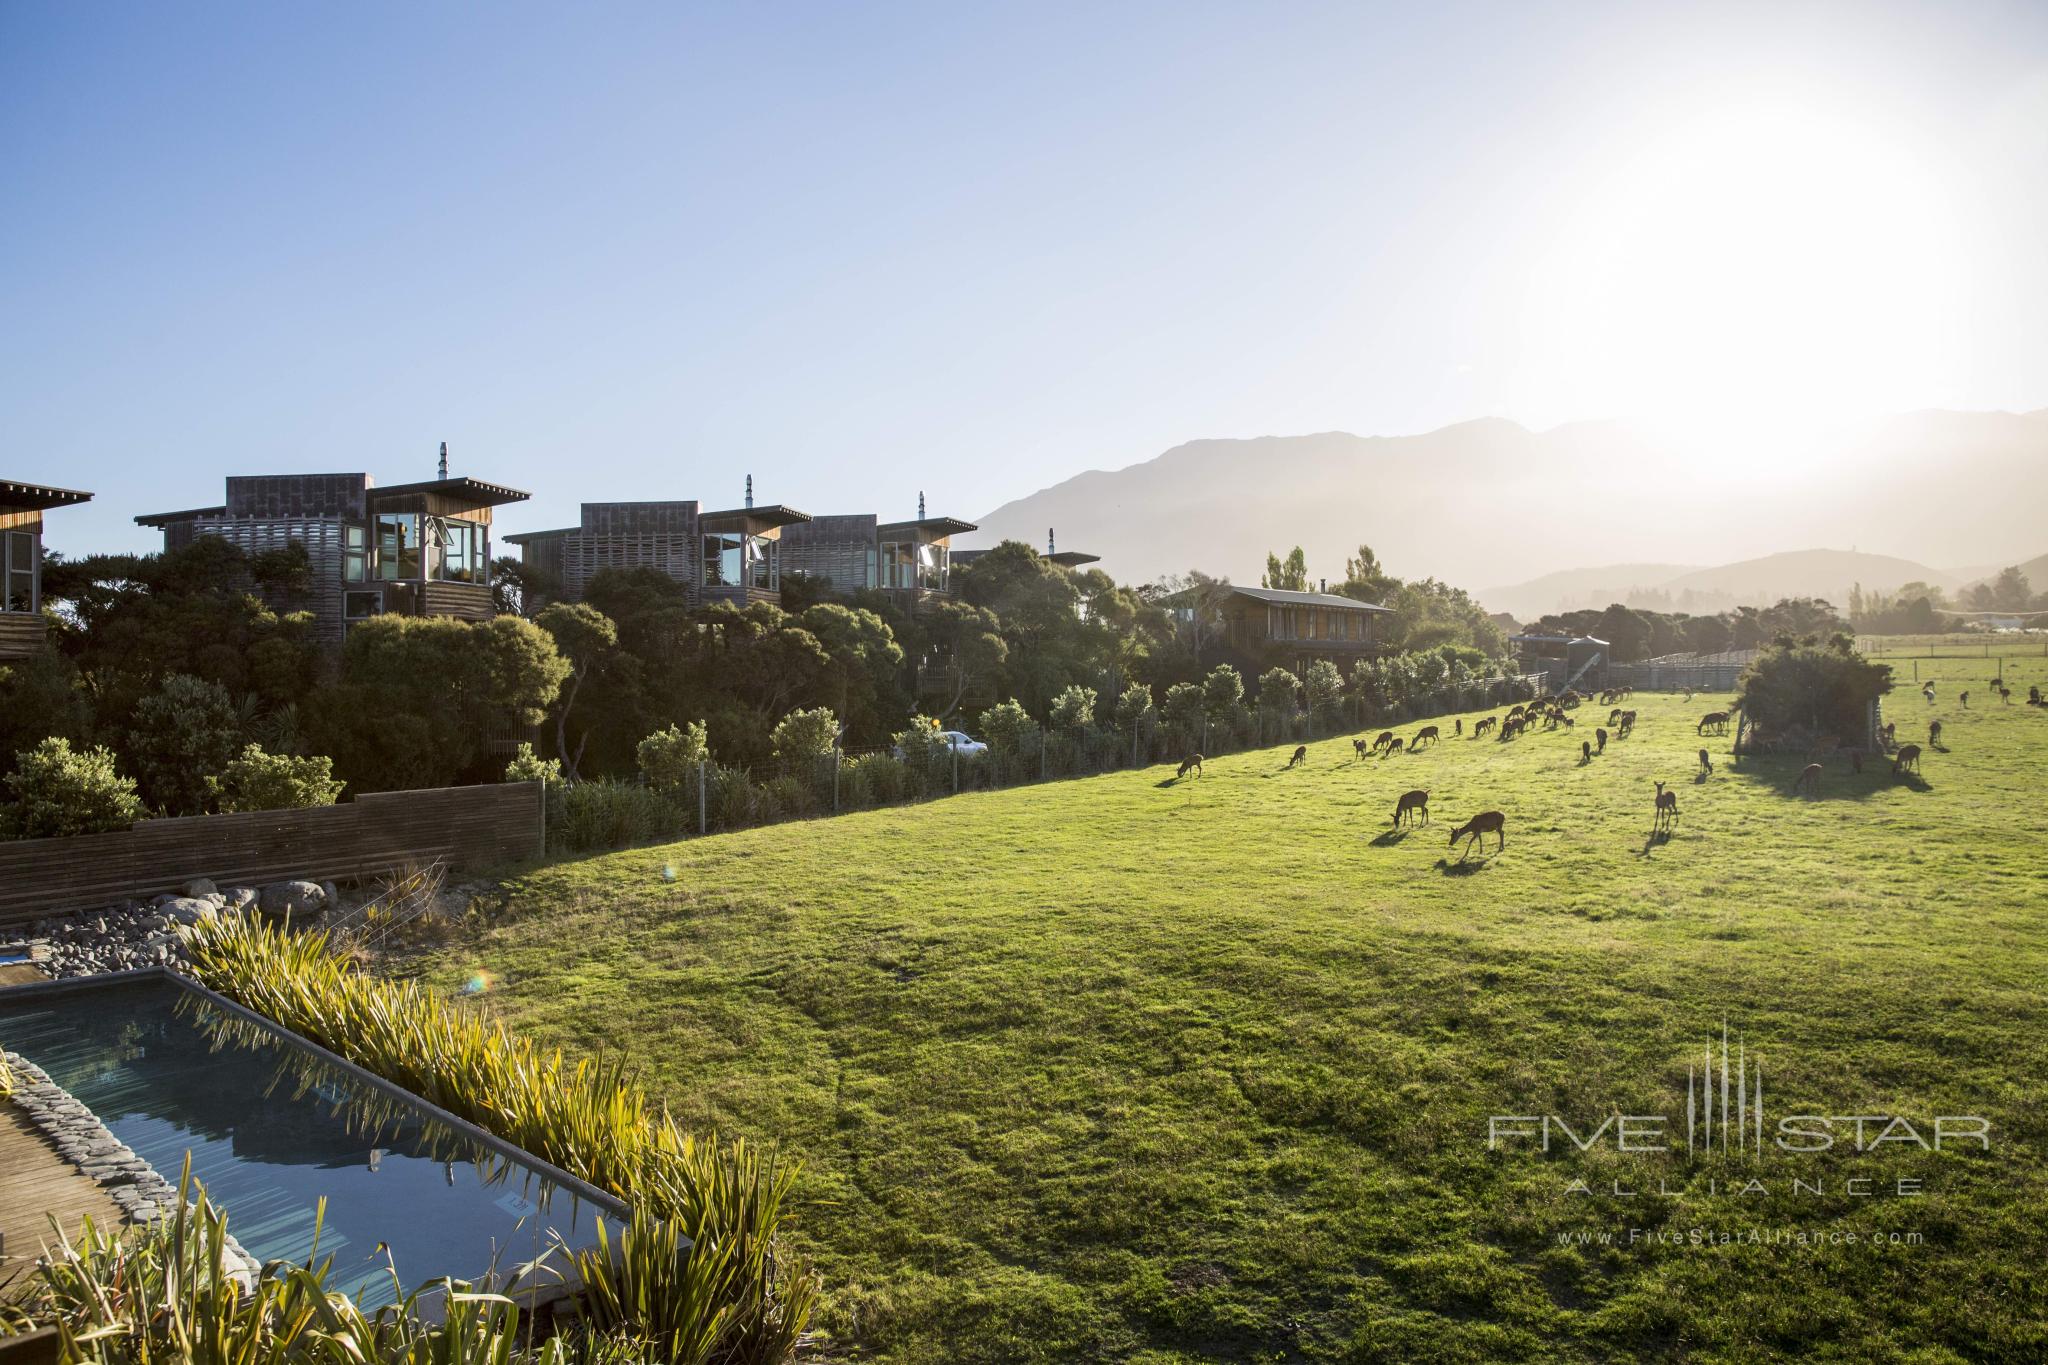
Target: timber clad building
column 417, row 549
column 737, row 555
column 847, row 554
column 21, row 562
column 1272, row 622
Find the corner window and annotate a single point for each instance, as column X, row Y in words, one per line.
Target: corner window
column 356, row 606
column 19, row 590
column 934, row 563
column 457, row 551
column 897, row 564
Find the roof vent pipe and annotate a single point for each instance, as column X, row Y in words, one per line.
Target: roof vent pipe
column 750, row 490
column 444, row 459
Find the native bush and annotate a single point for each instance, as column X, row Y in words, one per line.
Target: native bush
column 254, row 780
column 528, row 766
column 589, row 816
column 55, row 791
column 184, row 732
column 1793, row 692
column 669, row 758
column 805, row 734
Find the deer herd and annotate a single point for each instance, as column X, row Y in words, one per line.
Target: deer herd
column 1552, row 712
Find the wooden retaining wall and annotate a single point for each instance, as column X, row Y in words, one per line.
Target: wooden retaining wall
column 472, row 826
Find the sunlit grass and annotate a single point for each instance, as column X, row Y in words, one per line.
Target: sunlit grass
column 1129, row 1068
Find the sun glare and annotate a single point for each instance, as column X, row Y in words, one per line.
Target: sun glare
column 1750, row 273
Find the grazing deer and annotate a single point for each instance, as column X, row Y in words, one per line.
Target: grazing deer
column 1300, row 756
column 1411, row 802
column 2005, row 695
column 1809, row 779
column 1890, row 732
column 1717, row 721
column 1908, row 756
column 1475, row 830
column 1358, row 747
column 1480, row 727
column 1394, row 745
column 1614, row 715
column 1385, row 738
column 1965, row 699
column 1928, row 692
column 1628, row 724
column 1667, row 808
column 1191, row 761
column 1601, row 735
column 1706, row 764
column 1459, row 731
column 1934, row 734
column 1585, row 751
column 1427, row 732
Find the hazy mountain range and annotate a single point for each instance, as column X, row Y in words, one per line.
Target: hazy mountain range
column 1491, row 502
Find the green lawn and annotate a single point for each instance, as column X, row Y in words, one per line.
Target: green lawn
column 1135, row 1069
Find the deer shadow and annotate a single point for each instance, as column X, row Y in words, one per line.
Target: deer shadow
column 1911, row 781
column 1464, row 867
column 1390, row 837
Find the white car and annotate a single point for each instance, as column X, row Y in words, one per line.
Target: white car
column 959, row 742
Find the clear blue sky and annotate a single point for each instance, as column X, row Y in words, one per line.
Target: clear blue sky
column 860, row 250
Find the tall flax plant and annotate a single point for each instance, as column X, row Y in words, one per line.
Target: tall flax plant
column 166, row 1294
column 590, row 1117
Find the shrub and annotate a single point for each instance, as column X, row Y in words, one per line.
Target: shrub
column 1134, row 708
column 255, row 780
column 806, row 734
column 183, row 733
column 56, row 792
column 590, row 1117
column 791, row 797
column 1325, row 687
column 528, row 766
column 923, row 750
column 607, row 814
column 878, row 776
column 669, row 758
column 1073, row 708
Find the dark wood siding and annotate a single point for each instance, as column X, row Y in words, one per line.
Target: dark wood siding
column 21, row 634
column 466, row 826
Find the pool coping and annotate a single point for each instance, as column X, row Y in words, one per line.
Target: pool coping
column 605, row 1202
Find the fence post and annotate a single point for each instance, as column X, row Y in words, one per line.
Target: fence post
column 835, row 779
column 702, row 785
column 1044, row 749
column 956, row 771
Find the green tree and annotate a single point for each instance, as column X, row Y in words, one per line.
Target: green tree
column 1325, row 688
column 1009, row 728
column 1278, row 691
column 254, row 780
column 1222, row 694
column 1073, row 708
column 1793, row 693
column 1290, row 574
column 528, row 766
column 40, row 697
column 55, row 792
column 1134, row 709
column 587, row 638
column 1366, row 579
column 183, row 734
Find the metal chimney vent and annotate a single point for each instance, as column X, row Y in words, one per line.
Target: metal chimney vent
column 444, row 459
column 920, row 504
column 750, row 490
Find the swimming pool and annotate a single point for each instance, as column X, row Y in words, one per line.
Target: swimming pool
column 274, row 1124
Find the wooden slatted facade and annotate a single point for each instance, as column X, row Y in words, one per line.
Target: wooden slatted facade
column 464, row 826
column 22, row 506
column 21, row 634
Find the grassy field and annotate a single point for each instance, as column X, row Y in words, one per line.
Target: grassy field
column 1136, row 1069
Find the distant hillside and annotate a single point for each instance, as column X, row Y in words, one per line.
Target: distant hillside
column 1570, row 589
column 1492, row 502
column 2035, row 571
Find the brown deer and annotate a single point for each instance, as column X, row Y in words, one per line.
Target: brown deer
column 1385, row 738
column 1706, row 764
column 1667, row 808
column 1475, row 830
column 1717, row 721
column 1191, row 761
column 1585, row 751
column 1628, row 724
column 1428, row 733
column 1965, row 698
column 1300, row 755
column 1809, row 780
column 1459, row 729
column 1601, row 735
column 1614, row 715
column 1358, row 747
column 1934, row 734
column 1394, row 745
column 1481, row 726
column 1410, row 803
column 1908, row 756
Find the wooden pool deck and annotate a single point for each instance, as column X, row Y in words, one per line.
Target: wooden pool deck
column 36, row 1181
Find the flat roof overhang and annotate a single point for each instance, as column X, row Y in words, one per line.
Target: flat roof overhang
column 478, row 492
column 767, row 517
column 35, row 497
column 935, row 527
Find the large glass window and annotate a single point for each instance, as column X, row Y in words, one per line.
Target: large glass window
column 355, row 553
column 764, row 559
column 732, row 560
column 933, row 565
column 873, row 568
column 398, row 545
column 722, row 557
column 457, row 551
column 898, row 570
column 18, row 571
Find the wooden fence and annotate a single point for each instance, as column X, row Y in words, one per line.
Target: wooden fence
column 474, row 826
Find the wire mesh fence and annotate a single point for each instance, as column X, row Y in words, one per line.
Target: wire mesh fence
column 711, row 796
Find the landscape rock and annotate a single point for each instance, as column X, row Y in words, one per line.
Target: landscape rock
column 300, row 900
column 201, row 887
column 187, row 909
column 238, row 898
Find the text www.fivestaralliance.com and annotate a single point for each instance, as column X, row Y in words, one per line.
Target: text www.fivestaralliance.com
column 1755, row 1236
